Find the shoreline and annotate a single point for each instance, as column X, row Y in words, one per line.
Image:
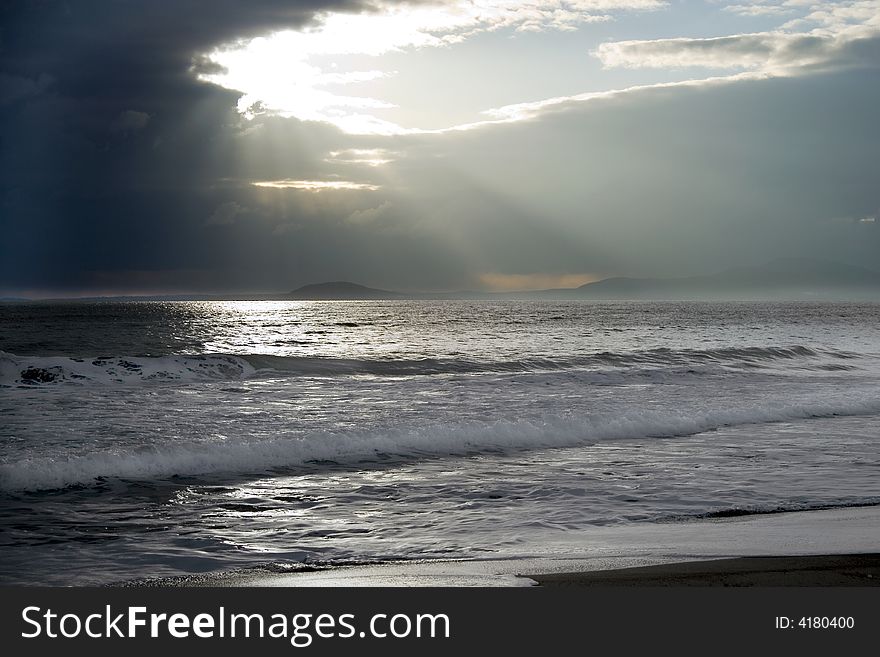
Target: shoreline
column 819, row 570
column 837, row 547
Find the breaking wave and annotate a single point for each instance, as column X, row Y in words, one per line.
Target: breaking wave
column 37, row 370
column 403, row 444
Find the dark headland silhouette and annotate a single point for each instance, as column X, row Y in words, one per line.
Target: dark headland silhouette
column 794, row 278
column 791, row 278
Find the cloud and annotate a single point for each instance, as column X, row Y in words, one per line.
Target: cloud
column 869, row 220
column 370, row 216
column 279, row 71
column 532, row 110
column 762, row 50
column 758, row 9
column 835, row 37
column 15, row 87
column 317, row 185
column 848, row 35
column 130, row 121
column 225, row 214
column 371, row 157
column 654, row 179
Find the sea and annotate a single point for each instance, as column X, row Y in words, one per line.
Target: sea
column 147, row 439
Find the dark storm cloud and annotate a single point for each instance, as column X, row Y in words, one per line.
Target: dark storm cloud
column 109, row 147
column 677, row 181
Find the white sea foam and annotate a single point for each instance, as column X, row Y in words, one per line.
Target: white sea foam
column 437, row 440
column 34, row 370
column 651, row 363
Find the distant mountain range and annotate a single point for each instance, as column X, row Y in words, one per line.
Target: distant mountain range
column 789, row 278
column 793, row 278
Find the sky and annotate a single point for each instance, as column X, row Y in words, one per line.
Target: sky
column 219, row 147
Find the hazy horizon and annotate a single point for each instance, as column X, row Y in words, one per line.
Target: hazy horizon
column 780, row 279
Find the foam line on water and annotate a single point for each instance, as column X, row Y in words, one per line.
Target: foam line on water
column 437, row 440
column 114, row 370
column 40, row 370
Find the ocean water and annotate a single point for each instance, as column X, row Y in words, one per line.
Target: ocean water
column 146, row 439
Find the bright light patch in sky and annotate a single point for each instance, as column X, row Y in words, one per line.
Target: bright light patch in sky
column 328, row 72
column 317, row 185
column 372, row 157
column 279, row 73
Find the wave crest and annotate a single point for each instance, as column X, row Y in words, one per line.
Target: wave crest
column 405, row 444
column 35, row 370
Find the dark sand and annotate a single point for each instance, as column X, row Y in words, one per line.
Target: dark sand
column 839, row 570
column 825, row 570
column 835, row 547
